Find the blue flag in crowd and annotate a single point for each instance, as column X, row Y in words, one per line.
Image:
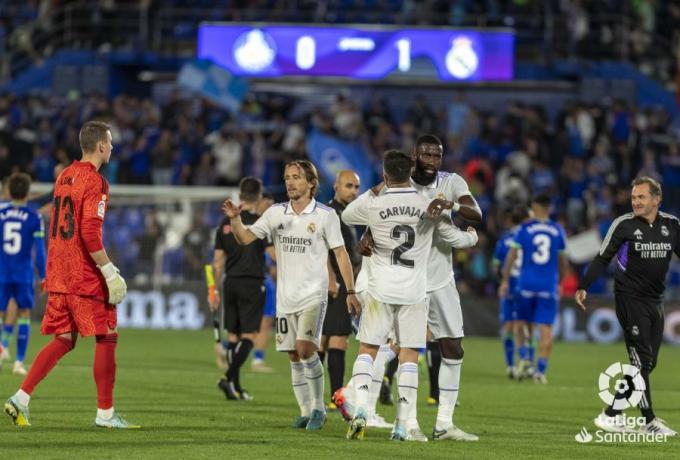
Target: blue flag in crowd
column 213, row 82
column 331, row 155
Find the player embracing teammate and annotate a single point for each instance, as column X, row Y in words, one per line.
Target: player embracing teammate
column 402, row 224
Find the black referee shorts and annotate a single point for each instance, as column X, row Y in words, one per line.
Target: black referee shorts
column 337, row 321
column 243, row 304
column 642, row 321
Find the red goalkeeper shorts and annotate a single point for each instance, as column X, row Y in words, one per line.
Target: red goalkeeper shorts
column 73, row 313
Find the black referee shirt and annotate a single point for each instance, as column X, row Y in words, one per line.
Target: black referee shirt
column 349, row 236
column 643, row 252
column 242, row 261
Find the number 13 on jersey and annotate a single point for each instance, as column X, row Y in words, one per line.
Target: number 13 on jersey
column 63, row 220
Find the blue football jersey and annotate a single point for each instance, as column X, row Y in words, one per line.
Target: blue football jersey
column 503, row 247
column 22, row 228
column 541, row 243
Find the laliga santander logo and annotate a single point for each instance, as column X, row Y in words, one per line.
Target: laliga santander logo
column 624, row 396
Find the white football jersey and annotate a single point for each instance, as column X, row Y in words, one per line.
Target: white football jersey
column 449, row 186
column 402, row 237
column 302, row 242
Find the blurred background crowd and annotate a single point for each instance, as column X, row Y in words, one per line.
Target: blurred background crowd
column 583, row 153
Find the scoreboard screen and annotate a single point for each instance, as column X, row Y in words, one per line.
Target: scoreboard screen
column 358, row 52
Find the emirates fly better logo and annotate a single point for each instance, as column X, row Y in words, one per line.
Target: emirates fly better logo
column 628, row 387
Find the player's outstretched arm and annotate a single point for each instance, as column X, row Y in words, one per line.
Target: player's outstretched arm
column 469, row 209
column 466, row 207
column 242, row 235
column 454, row 236
column 356, row 213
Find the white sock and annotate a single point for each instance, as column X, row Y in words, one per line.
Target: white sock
column 105, row 414
column 408, row 395
column 361, row 376
column 300, row 387
column 449, row 382
column 315, row 381
column 22, row 397
column 384, row 356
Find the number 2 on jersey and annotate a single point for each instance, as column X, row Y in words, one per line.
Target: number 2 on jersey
column 541, row 255
column 67, row 229
column 398, row 252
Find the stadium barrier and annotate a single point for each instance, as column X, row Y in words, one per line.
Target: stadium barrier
column 184, row 306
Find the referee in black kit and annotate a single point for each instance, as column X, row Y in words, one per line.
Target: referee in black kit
column 643, row 242
column 243, row 288
column 337, row 325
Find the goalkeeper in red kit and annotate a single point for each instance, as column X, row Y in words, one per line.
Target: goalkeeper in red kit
column 82, row 284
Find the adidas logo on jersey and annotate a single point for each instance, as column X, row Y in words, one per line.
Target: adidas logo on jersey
column 309, row 332
column 403, row 400
column 638, row 234
column 363, row 388
column 280, row 227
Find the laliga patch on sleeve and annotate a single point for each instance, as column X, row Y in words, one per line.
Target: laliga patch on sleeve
column 101, row 209
column 226, row 229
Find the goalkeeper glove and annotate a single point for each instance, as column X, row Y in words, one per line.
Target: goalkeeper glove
column 115, row 283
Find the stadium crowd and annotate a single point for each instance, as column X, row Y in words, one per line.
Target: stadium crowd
column 585, row 157
column 642, row 32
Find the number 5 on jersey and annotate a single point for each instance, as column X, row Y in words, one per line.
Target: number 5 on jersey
column 11, row 238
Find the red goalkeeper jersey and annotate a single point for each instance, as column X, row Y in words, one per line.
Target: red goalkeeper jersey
column 81, row 196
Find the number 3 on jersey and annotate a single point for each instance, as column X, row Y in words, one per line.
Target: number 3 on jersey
column 398, row 252
column 541, row 255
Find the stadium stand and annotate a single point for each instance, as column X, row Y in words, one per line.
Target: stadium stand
column 584, row 153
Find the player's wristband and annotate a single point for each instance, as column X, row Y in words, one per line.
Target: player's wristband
column 351, row 292
column 455, row 207
column 109, row 270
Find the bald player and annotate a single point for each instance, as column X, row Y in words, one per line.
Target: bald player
column 337, row 325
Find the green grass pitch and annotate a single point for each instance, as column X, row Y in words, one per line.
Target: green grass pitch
column 166, row 382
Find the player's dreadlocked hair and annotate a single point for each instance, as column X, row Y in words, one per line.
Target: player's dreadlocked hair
column 309, row 171
column 91, row 133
